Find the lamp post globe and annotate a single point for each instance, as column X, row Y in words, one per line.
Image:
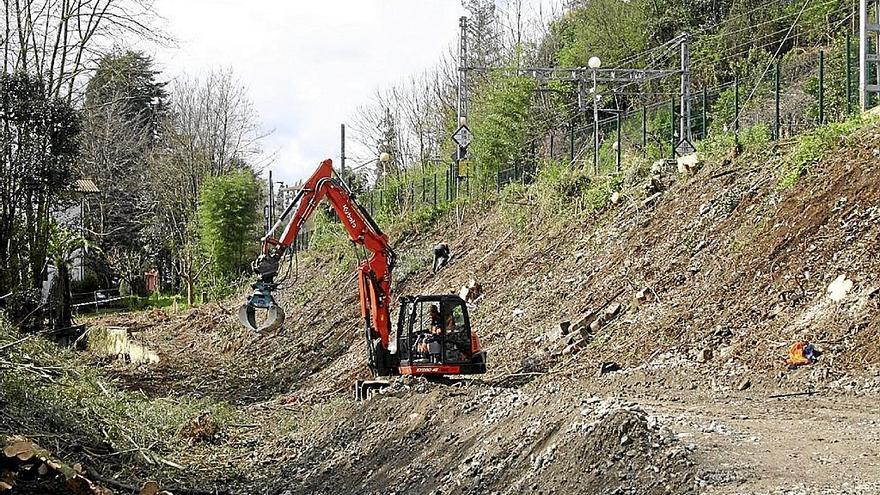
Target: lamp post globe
column 594, row 62
column 384, row 157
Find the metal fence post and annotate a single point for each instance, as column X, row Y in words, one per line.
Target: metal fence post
column 570, row 143
column 424, row 187
column 672, row 126
column 776, row 100
column 821, row 87
column 848, row 74
column 619, row 142
column 703, row 110
column 645, row 131
column 736, row 112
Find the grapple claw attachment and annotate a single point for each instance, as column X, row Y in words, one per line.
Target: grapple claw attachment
column 261, row 299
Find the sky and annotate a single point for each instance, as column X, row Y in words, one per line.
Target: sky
column 307, row 64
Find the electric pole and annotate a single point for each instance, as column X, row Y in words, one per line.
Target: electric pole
column 461, row 107
column 271, row 214
column 684, row 123
column 869, row 34
column 342, row 151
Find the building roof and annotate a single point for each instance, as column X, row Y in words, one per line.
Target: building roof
column 86, row 186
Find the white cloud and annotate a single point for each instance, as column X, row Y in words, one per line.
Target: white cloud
column 307, row 64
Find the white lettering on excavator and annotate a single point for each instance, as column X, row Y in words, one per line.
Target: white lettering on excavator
column 348, row 215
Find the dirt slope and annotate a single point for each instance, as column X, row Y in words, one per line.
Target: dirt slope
column 730, row 263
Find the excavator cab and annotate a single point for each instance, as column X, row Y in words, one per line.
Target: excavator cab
column 434, row 337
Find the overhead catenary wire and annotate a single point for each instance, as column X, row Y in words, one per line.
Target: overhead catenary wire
column 704, row 29
column 775, row 56
column 750, row 44
column 752, row 27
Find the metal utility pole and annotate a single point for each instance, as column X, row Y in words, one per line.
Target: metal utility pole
column 595, row 126
column 462, row 136
column 776, row 100
column 821, row 87
column 342, row 151
column 848, row 73
column 684, row 122
column 461, row 108
column 618, row 146
column 869, row 34
column 271, row 214
column 595, row 63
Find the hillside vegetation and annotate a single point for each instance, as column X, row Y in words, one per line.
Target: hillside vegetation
column 732, row 261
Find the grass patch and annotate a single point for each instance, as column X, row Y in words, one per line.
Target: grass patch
column 46, row 390
column 753, row 139
column 812, row 146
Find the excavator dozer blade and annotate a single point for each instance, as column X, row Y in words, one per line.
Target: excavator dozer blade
column 247, row 315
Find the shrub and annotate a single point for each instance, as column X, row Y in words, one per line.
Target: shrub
column 228, row 221
column 812, row 146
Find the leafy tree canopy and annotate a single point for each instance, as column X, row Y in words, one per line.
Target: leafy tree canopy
column 228, row 220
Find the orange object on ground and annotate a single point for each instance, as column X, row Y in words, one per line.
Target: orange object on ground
column 796, row 355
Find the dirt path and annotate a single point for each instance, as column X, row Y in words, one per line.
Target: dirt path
column 828, row 445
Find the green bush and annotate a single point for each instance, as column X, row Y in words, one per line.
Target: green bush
column 812, row 146
column 752, row 139
column 500, row 120
column 228, row 220
column 599, row 193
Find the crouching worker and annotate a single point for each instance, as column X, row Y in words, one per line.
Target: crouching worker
column 441, row 255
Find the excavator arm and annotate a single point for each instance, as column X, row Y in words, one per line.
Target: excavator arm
column 374, row 273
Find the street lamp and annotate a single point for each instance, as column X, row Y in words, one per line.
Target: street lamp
column 384, row 158
column 594, row 63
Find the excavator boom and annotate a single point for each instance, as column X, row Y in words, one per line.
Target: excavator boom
column 374, row 273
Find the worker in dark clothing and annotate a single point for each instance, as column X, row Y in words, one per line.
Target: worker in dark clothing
column 435, row 317
column 441, row 255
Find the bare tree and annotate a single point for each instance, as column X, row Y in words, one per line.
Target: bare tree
column 123, row 107
column 407, row 120
column 214, row 116
column 212, row 130
column 57, row 40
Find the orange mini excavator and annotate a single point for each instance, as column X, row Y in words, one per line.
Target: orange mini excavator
column 433, row 336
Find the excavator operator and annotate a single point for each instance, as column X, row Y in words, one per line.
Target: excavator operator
column 432, row 336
